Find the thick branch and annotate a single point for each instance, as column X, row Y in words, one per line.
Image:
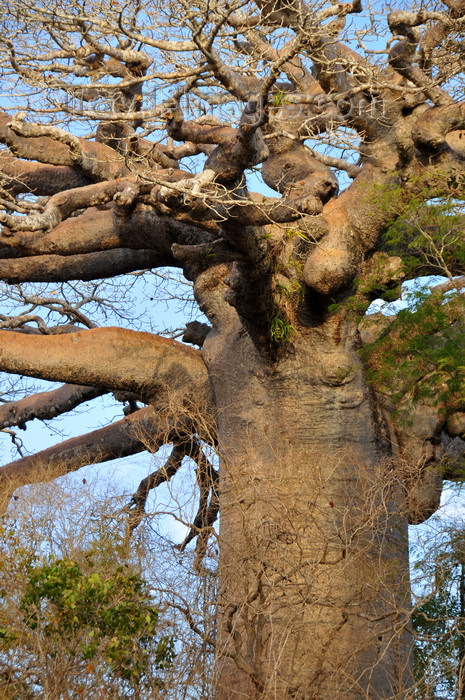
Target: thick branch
column 207, row 512
column 88, row 266
column 99, row 230
column 294, row 172
column 453, row 464
column 196, row 332
column 402, row 56
column 237, row 149
column 433, row 125
column 63, row 204
column 334, row 64
column 112, row 358
column 54, row 146
column 20, row 176
column 128, row 436
column 136, row 507
column 46, row 404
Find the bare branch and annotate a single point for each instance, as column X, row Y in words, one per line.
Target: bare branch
column 55, row 147
column 106, row 357
column 136, row 506
column 46, row 405
column 88, row 266
column 120, row 439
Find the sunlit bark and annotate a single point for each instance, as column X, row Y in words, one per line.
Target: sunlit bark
column 133, row 434
column 110, row 358
column 322, row 460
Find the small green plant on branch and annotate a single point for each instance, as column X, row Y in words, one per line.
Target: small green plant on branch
column 281, row 331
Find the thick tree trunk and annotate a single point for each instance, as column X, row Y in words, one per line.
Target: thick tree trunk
column 313, row 563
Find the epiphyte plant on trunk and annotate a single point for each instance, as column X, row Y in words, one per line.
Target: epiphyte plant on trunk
column 326, row 450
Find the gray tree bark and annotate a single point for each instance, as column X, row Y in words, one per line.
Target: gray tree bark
column 314, row 579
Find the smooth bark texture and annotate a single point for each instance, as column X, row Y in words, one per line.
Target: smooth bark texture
column 88, row 266
column 112, row 358
column 46, row 405
column 314, row 576
column 128, row 436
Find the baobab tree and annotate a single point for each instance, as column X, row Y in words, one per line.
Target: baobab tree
column 133, row 139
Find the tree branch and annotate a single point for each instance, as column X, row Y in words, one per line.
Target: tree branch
column 63, row 204
column 237, row 149
column 20, row 176
column 137, row 432
column 88, row 266
column 101, row 230
column 207, row 512
column 111, row 358
column 55, row 146
column 402, row 56
column 46, row 404
column 432, row 126
column 136, row 506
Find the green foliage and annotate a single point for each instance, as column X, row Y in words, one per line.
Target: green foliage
column 278, row 98
column 92, row 613
column 289, row 288
column 423, row 236
column 438, row 622
column 112, row 615
column 291, row 232
column 456, row 182
column 281, row 331
column 438, row 645
column 421, row 355
column 423, row 350
column 429, row 234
